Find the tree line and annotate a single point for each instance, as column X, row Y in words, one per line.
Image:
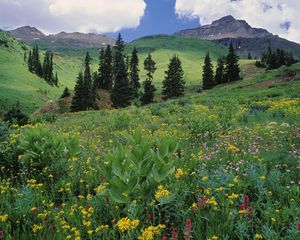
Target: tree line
column 273, row 59
column 227, row 70
column 44, row 70
column 119, row 74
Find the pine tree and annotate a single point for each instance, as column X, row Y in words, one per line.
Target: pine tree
column 66, row 93
column 149, row 89
column 78, row 98
column 208, row 73
column 220, row 74
column 149, row 66
column 232, row 69
column 134, row 73
column 48, row 68
column 173, row 85
column 107, row 71
column 88, row 101
column 249, row 56
column 15, row 115
column 36, row 64
column 29, row 62
column 99, row 81
column 55, row 82
column 122, row 93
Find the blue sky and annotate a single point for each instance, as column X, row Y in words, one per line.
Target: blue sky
column 159, row 18
column 136, row 18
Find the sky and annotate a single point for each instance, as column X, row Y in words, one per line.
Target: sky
column 137, row 18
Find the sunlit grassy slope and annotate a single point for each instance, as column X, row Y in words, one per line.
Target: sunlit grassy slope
column 17, row 83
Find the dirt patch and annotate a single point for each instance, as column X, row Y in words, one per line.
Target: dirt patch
column 284, row 79
column 63, row 105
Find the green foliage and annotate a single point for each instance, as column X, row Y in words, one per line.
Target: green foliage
column 139, row 169
column 208, row 73
column 84, row 93
column 275, row 59
column 173, row 85
column 220, row 72
column 66, row 93
column 15, row 115
column 122, row 92
column 45, row 152
column 134, row 72
column 232, row 69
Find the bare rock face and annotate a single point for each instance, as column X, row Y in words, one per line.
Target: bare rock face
column 32, row 35
column 226, row 27
column 245, row 38
column 27, row 33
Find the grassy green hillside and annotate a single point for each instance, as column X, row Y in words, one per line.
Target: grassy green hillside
column 17, row 83
column 220, row 164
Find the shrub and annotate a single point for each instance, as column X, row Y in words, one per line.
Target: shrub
column 46, row 152
column 15, row 115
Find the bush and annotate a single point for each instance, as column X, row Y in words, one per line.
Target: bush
column 45, row 152
column 15, row 115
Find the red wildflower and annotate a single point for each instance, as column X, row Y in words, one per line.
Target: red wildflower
column 164, row 237
column 188, row 229
column 1, row 234
column 202, row 201
column 174, row 233
column 298, row 225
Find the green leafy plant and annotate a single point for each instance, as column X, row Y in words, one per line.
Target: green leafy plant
column 137, row 170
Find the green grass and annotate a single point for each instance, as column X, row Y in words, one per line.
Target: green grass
column 234, row 174
column 17, row 83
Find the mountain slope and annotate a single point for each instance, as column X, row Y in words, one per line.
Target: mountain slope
column 17, row 83
column 61, row 41
column 245, row 38
column 190, row 51
column 27, row 33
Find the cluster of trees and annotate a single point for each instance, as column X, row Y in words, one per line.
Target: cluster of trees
column 227, row 70
column 44, row 71
column 119, row 74
column 275, row 59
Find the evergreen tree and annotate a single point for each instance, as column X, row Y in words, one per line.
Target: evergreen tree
column 134, row 73
column 66, row 93
column 99, row 81
column 220, row 74
column 78, row 98
column 249, row 56
column 48, row 68
column 25, row 56
column 173, row 85
column 122, row 93
column 36, row 64
column 149, row 66
column 208, row 73
column 149, row 89
column 88, row 100
column 55, row 82
column 107, row 71
column 232, row 69
column 29, row 62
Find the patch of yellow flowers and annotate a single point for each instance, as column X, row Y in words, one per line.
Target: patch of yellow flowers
column 149, row 233
column 161, row 192
column 125, row 224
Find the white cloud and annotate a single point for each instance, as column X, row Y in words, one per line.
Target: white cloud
column 268, row 14
column 73, row 15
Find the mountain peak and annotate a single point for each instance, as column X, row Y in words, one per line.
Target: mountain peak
column 225, row 19
column 225, row 27
column 27, row 33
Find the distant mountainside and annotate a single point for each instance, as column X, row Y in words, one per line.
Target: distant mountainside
column 27, row 33
column 62, row 40
column 244, row 37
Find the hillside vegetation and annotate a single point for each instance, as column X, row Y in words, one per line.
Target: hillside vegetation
column 222, row 164
column 17, row 83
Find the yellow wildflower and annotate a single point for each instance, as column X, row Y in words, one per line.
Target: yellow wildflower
column 179, row 173
column 204, row 179
column 161, row 192
column 150, row 232
column 125, row 224
column 37, row 228
column 101, row 228
column 258, row 236
column 3, row 218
